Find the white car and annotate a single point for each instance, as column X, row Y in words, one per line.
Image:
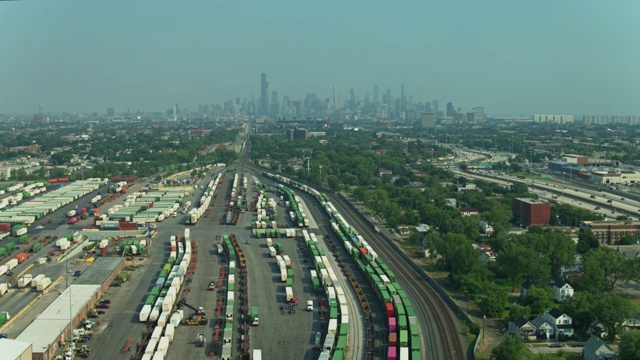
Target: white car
column 39, row 227
column 310, row 305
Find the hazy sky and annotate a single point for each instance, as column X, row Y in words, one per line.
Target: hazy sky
column 512, row 57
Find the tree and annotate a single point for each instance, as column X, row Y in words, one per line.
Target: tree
column 511, row 348
column 602, row 268
column 538, row 300
column 586, row 241
column 517, row 263
column 611, row 312
column 493, row 301
column 517, row 311
column 629, row 347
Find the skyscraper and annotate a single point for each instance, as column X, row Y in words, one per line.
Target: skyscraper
column 110, row 112
column 434, row 106
column 451, row 111
column 335, row 96
column 352, row 98
column 376, row 94
column 264, row 95
column 403, row 100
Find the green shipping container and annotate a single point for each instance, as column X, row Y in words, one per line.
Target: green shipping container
column 342, row 343
column 230, row 287
column 415, row 355
column 36, row 247
column 150, row 300
column 289, row 281
column 333, row 313
column 344, row 329
column 23, row 239
column 338, row 355
column 155, row 291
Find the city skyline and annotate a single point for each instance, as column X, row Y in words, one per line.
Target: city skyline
column 572, row 57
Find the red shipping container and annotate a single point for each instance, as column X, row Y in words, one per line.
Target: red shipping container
column 392, row 353
column 393, row 324
column 84, row 210
column 174, row 248
column 393, row 339
column 63, row 179
column 21, row 257
column 52, row 181
column 363, row 252
column 5, row 227
column 96, row 211
column 150, row 205
column 128, row 226
column 389, row 309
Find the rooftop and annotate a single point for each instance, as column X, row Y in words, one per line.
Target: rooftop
column 532, row 201
column 13, row 349
column 46, row 328
column 99, row 271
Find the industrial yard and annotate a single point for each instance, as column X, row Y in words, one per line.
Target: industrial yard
column 240, row 265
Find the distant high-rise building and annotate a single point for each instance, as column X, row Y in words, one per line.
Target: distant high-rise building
column 376, row 94
column 335, row 96
column 403, row 99
column 478, row 113
column 177, row 109
column 297, row 134
column 110, row 112
column 427, row 119
column 352, row 98
column 451, row 111
column 264, row 95
column 175, row 112
column 559, row 119
column 434, row 106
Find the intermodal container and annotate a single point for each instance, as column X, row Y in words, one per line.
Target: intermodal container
column 392, row 353
column 389, row 310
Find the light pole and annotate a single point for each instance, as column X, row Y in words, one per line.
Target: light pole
column 320, row 175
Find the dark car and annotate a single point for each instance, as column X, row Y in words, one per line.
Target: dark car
column 556, row 345
column 597, row 207
column 105, row 301
column 93, row 316
column 3, row 335
column 77, row 273
column 116, row 284
column 100, row 312
column 103, row 306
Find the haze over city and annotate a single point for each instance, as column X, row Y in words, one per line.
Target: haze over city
column 512, row 58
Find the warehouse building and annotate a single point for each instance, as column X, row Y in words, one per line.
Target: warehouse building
column 15, row 350
column 50, row 330
column 531, row 212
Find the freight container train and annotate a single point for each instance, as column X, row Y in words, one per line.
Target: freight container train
column 404, row 337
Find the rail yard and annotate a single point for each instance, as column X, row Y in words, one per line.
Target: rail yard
column 243, row 264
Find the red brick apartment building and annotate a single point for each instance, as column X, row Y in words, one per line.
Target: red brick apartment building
column 529, row 211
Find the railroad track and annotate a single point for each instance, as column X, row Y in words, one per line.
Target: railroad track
column 440, row 327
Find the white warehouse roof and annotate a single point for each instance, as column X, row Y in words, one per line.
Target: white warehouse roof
column 13, row 349
column 46, row 328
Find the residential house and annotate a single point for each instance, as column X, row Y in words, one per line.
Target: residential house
column 468, row 211
column 403, row 230
column 562, row 290
column 632, row 323
column 522, row 327
column 544, row 330
column 561, row 322
column 525, row 287
column 596, row 349
column 485, row 252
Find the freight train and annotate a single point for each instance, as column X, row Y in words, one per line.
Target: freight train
column 404, row 330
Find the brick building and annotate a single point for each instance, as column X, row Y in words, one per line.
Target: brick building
column 610, row 231
column 531, row 211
